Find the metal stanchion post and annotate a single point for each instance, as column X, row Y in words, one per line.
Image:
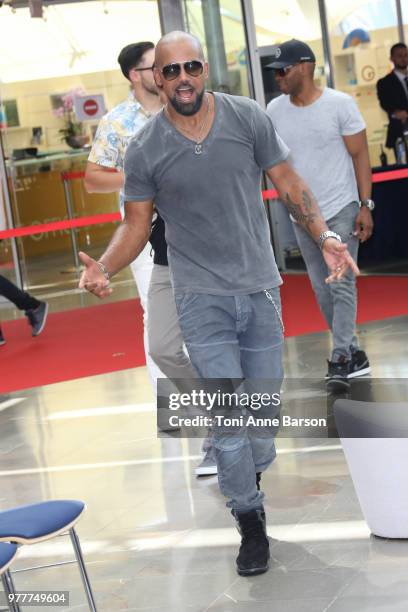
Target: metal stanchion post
column 70, row 213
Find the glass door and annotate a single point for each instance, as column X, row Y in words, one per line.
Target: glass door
column 361, row 35
column 219, row 25
column 9, row 266
column 73, row 49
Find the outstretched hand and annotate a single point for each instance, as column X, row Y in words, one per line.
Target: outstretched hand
column 338, row 259
column 92, row 278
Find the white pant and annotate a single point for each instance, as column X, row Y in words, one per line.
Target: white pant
column 142, row 268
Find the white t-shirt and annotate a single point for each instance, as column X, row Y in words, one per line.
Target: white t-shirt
column 314, row 134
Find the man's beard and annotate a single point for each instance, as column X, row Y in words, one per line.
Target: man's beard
column 187, row 109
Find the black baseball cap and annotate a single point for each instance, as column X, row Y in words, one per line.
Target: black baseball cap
column 291, row 52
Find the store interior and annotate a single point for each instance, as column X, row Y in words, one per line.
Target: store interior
column 63, row 59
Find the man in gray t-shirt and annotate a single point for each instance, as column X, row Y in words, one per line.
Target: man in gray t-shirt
column 328, row 148
column 201, row 161
column 216, row 225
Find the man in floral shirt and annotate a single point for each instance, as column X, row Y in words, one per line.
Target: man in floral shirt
column 104, row 172
column 162, row 338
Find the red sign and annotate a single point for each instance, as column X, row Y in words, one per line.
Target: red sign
column 90, row 107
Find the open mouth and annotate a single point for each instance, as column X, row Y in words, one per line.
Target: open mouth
column 185, row 94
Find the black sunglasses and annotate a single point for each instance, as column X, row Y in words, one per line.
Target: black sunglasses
column 282, row 72
column 172, row 71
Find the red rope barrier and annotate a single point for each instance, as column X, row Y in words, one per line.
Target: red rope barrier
column 391, row 175
column 268, row 194
column 69, row 176
column 60, row 225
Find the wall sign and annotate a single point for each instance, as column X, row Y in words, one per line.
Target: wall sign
column 89, row 107
column 368, row 73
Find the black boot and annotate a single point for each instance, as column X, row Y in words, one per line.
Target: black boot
column 253, row 555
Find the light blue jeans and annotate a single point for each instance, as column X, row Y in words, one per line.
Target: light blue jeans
column 234, row 338
column 338, row 300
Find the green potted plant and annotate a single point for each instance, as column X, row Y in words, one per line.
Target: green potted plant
column 73, row 131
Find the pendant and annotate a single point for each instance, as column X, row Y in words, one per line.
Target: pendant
column 198, row 149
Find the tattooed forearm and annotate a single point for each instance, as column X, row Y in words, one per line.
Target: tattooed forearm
column 307, row 201
column 302, row 214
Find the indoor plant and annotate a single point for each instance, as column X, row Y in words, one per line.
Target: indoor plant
column 73, row 131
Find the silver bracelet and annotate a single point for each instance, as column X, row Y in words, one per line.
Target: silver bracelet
column 104, row 270
column 327, row 234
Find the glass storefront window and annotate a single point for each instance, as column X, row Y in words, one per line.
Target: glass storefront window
column 361, row 35
column 404, row 10
column 218, row 24
column 9, row 267
column 276, row 22
column 72, row 48
column 6, row 252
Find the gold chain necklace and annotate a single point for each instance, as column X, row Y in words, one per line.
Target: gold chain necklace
column 198, row 148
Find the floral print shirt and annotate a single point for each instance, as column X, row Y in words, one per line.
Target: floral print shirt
column 114, row 132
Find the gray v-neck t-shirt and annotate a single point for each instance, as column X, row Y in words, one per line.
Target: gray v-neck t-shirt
column 216, row 225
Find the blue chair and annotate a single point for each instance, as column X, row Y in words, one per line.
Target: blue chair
column 7, row 554
column 43, row 521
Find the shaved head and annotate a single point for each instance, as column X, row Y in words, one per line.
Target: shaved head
column 180, row 71
column 175, row 40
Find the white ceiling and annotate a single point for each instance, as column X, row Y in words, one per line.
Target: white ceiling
column 72, row 38
column 82, row 37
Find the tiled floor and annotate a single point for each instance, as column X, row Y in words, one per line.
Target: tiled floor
column 156, row 538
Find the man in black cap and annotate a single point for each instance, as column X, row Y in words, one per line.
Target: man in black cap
column 392, row 93
column 326, row 136
column 104, row 171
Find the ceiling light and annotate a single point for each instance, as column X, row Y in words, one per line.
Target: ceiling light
column 36, row 8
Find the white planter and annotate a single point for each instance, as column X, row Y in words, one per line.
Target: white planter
column 378, row 466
